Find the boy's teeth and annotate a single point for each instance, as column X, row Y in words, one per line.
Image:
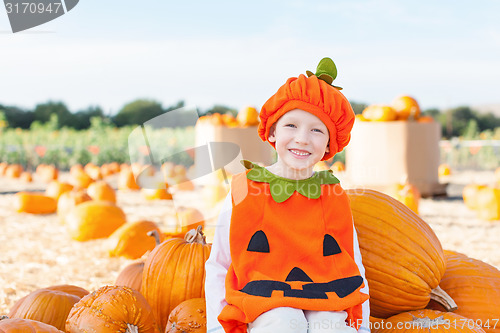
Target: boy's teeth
column 299, row 153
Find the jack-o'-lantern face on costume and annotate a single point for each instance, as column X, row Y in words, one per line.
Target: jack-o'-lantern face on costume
column 283, row 251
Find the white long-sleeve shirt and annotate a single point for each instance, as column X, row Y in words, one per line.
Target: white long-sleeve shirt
column 219, row 261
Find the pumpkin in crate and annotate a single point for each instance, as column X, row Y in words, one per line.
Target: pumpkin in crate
column 131, row 240
column 378, row 112
column 174, row 272
column 112, row 309
column 475, row 287
column 100, row 190
column 427, row 321
column 94, row 219
column 48, row 305
column 131, row 276
column 34, row 203
column 56, row 188
column 403, row 257
column 189, row 316
column 406, row 108
column 18, row 325
column 248, row 116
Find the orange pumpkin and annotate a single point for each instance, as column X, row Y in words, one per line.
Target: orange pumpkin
column 14, row 170
column 100, row 190
column 444, row 170
column 131, row 276
column 338, row 166
column 47, row 173
column 126, row 180
column 320, row 166
column 427, row 321
column 403, row 258
column 407, row 194
column 188, row 316
column 26, row 177
column 34, row 203
column 80, row 179
column 17, row 325
column 188, row 218
column 406, row 108
column 112, row 309
column 475, row 287
column 68, row 200
column 131, row 240
column 469, row 194
column 248, row 116
column 174, row 272
column 425, row 119
column 56, row 188
column 94, row 219
column 378, row 112
column 156, row 194
column 47, row 305
column 488, row 203
column 3, row 168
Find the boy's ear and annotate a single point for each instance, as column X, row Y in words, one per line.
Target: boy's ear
column 272, row 137
column 327, row 150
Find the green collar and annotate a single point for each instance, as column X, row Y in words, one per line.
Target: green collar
column 283, row 188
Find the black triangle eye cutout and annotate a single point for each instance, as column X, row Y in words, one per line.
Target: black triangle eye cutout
column 330, row 246
column 258, row 242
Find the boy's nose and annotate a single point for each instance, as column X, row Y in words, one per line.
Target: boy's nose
column 301, row 137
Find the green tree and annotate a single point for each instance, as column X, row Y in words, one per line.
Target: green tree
column 82, row 119
column 44, row 111
column 358, row 107
column 17, row 117
column 221, row 109
column 137, row 112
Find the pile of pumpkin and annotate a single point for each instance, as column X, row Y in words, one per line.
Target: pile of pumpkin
column 411, row 279
column 403, row 108
column 484, row 199
column 247, row 116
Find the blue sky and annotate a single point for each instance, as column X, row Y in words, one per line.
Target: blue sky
column 110, row 52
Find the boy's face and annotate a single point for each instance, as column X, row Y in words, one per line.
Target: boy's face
column 301, row 140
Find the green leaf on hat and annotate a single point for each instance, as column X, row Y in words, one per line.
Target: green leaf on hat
column 326, row 71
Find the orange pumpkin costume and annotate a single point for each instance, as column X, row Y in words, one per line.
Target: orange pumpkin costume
column 297, row 253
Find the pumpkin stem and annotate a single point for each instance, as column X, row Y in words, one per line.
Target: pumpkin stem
column 440, row 296
column 155, row 234
column 132, row 329
column 195, row 236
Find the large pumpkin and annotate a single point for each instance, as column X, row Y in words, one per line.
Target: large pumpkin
column 402, row 256
column 18, row 325
column 34, row 203
column 131, row 276
column 475, row 287
column 131, row 240
column 48, row 305
column 55, row 188
column 378, row 112
column 427, row 321
column 94, row 219
column 189, row 316
column 174, row 272
column 112, row 309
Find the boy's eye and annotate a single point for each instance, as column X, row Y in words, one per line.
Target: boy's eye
column 289, row 125
column 317, row 130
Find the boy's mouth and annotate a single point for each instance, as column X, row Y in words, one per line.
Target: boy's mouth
column 299, row 153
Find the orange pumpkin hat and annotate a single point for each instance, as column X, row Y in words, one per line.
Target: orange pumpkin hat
column 315, row 95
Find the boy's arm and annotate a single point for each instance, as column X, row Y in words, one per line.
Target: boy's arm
column 216, row 268
column 365, row 325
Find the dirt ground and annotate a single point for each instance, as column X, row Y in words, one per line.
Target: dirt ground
column 36, row 250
